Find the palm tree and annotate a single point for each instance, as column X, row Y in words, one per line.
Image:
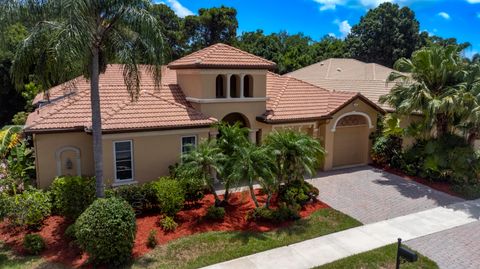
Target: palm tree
column 203, row 160
column 252, row 163
column 469, row 106
column 428, row 84
column 295, row 154
column 90, row 34
column 230, row 138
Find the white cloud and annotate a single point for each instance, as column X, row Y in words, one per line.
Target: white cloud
column 478, row 15
column 343, row 27
column 444, row 15
column 330, row 4
column 473, row 1
column 179, row 9
column 372, row 3
column 332, row 35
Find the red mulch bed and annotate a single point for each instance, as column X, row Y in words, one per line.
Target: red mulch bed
column 445, row 187
column 59, row 249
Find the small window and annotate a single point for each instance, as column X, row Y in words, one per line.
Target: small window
column 188, row 143
column 219, row 87
column 248, row 86
column 123, row 160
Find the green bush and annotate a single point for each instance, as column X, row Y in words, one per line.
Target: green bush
column 72, row 195
column 152, row 239
column 106, row 231
column 286, row 212
column 29, row 208
column 215, row 213
column 193, row 188
column 260, row 214
column 170, row 196
column 387, row 151
column 297, row 192
column 70, row 232
column 168, row 224
column 469, row 191
column 142, row 198
column 33, row 244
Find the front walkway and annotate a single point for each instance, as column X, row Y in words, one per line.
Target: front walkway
column 371, row 195
column 325, row 249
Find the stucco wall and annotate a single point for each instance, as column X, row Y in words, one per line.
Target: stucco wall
column 249, row 109
column 46, row 148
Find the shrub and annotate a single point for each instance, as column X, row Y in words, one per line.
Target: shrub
column 170, row 196
column 29, row 208
column 142, row 198
column 387, row 151
column 70, row 231
column 106, row 231
column 152, row 239
column 193, row 188
column 260, row 214
column 286, row 212
column 297, row 192
column 72, row 195
column 168, row 224
column 215, row 213
column 469, row 191
column 33, row 244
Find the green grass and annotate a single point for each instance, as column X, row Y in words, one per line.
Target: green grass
column 383, row 257
column 213, row 247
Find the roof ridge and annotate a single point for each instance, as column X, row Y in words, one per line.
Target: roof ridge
column 248, row 53
column 311, row 84
column 109, row 114
column 280, row 94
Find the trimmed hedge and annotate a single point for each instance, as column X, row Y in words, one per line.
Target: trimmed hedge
column 106, row 231
column 29, row 208
column 72, row 195
column 170, row 195
column 142, row 198
column 215, row 213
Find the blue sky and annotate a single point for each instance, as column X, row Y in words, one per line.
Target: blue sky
column 316, row 18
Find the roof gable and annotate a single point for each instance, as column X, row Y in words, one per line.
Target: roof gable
column 221, row 56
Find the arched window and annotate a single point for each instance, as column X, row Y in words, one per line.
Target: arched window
column 234, row 86
column 219, row 87
column 248, row 86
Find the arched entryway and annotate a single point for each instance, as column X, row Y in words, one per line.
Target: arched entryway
column 233, row 118
column 351, row 139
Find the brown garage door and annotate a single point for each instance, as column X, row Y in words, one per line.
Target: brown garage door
column 351, row 143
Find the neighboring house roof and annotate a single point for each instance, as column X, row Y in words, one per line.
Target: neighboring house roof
column 291, row 100
column 221, row 56
column 370, row 79
column 156, row 107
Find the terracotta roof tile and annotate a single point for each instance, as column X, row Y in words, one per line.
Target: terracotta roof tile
column 221, row 56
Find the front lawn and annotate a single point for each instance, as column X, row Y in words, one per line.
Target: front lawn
column 384, row 257
column 8, row 260
column 213, row 247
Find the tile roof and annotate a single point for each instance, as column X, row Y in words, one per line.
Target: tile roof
column 156, row 107
column 221, row 56
column 348, row 75
column 291, row 99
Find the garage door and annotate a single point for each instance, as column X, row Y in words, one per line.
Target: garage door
column 351, row 143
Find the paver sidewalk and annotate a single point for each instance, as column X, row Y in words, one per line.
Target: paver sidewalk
column 326, row 249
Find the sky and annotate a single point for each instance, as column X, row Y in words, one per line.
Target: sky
column 317, row 18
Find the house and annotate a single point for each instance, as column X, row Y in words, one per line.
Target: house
column 142, row 137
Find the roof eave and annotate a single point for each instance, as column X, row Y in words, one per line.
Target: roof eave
column 297, row 120
column 222, row 66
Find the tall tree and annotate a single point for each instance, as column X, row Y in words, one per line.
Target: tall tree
column 329, row 47
column 429, row 83
column 384, row 35
column 212, row 25
column 172, row 30
column 91, row 34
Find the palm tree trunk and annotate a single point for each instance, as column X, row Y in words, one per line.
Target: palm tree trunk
column 269, row 197
column 441, row 125
column 472, row 136
column 252, row 193
column 96, row 124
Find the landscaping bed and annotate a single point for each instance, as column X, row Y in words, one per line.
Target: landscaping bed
column 190, row 221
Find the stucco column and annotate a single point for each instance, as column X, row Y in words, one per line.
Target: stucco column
column 228, row 85
column 242, row 76
column 329, row 136
column 213, row 134
column 253, row 136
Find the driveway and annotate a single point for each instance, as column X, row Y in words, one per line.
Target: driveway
column 371, row 195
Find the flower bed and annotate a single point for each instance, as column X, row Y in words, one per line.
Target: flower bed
column 190, row 221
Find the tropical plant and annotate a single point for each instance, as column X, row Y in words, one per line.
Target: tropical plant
column 91, row 34
column 205, row 160
column 28, row 209
column 152, row 239
column 168, row 224
column 9, row 138
column 251, row 163
column 428, row 83
column 106, row 231
column 295, row 154
column 170, row 196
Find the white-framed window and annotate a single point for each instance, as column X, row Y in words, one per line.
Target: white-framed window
column 123, row 160
column 188, row 143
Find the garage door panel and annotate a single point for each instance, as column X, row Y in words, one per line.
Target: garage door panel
column 350, row 146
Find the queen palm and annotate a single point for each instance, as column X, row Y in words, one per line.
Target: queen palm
column 252, row 163
column 295, row 154
column 428, row 83
column 205, row 159
column 88, row 35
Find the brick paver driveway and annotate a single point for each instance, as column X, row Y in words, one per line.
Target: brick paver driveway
column 372, row 195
